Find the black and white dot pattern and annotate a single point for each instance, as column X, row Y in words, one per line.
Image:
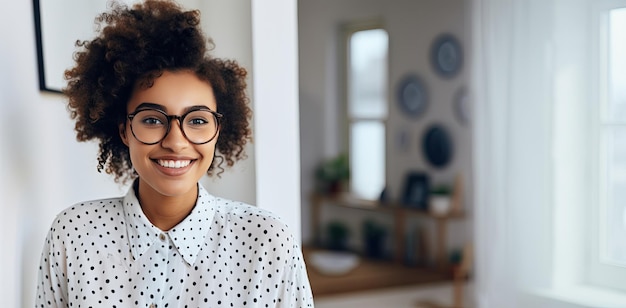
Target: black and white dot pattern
column 106, row 253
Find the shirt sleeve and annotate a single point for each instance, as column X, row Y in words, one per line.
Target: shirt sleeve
column 51, row 284
column 298, row 290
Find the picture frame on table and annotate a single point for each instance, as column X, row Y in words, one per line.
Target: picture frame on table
column 416, row 190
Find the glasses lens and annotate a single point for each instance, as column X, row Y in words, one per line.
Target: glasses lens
column 200, row 126
column 149, row 126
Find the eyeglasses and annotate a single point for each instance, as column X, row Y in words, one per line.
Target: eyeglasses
column 150, row 126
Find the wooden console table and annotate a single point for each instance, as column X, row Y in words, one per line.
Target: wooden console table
column 400, row 214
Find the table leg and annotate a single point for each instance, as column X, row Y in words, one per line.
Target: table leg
column 399, row 236
column 441, row 244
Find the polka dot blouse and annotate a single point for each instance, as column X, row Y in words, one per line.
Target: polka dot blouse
column 106, row 253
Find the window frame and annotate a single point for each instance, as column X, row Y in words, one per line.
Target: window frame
column 598, row 272
column 350, row 29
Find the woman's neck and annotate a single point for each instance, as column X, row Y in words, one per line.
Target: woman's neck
column 165, row 212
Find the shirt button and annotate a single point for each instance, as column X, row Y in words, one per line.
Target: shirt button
column 162, row 238
column 152, row 305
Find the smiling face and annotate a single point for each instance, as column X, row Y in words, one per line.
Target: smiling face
column 173, row 166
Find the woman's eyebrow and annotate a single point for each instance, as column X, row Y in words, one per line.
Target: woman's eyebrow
column 150, row 106
column 196, row 107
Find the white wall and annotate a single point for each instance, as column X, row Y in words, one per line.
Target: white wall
column 45, row 170
column 229, row 24
column 275, row 46
column 412, row 26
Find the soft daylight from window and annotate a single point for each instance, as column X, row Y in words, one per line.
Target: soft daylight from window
column 367, row 110
column 613, row 246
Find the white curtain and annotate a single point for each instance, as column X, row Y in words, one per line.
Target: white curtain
column 530, row 71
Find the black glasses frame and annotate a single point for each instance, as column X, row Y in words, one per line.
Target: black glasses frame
column 181, row 118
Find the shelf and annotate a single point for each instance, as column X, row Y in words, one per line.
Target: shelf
column 346, row 200
column 399, row 213
column 371, row 274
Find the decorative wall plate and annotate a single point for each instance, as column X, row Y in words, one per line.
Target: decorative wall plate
column 412, row 96
column 462, row 108
column 437, row 146
column 446, row 55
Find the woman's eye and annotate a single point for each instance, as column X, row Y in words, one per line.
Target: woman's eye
column 151, row 121
column 198, row 121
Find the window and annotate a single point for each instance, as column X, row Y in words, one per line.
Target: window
column 608, row 262
column 613, row 249
column 367, row 68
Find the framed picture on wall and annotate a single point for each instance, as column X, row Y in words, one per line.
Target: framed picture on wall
column 416, row 190
column 58, row 26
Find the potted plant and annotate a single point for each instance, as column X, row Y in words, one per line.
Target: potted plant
column 440, row 200
column 338, row 234
column 332, row 175
column 374, row 236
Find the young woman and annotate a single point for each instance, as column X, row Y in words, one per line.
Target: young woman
column 162, row 108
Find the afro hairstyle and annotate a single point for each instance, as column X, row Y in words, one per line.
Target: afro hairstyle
column 133, row 46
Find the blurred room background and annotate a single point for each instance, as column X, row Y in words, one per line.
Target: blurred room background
column 418, row 147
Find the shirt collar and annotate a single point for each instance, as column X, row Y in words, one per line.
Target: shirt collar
column 188, row 236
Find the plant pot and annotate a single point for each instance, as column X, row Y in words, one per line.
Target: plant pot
column 338, row 235
column 338, row 244
column 440, row 205
column 375, row 246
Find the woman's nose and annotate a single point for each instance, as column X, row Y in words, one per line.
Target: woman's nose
column 175, row 138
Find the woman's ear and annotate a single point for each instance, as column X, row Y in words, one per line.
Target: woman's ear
column 122, row 128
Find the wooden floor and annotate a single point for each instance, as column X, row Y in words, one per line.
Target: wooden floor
column 371, row 274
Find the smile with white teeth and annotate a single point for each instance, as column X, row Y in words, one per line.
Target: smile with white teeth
column 174, row 163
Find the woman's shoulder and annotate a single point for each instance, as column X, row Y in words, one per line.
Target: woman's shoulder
column 258, row 228
column 83, row 213
column 254, row 217
column 244, row 210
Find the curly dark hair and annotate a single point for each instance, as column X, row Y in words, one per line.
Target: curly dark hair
column 133, row 47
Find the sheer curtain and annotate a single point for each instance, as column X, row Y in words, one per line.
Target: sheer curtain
column 531, row 77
